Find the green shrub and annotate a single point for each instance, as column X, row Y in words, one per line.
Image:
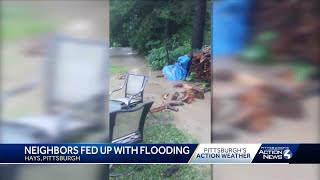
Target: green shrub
column 180, row 51
column 157, row 57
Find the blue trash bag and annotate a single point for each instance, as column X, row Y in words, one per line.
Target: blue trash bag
column 177, row 71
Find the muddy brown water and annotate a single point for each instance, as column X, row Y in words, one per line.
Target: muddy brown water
column 129, row 59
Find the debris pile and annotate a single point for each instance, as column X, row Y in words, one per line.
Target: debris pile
column 298, row 28
column 200, row 66
column 187, row 94
column 198, row 71
column 263, row 99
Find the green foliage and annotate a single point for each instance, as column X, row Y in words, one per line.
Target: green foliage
column 266, row 37
column 180, row 51
column 191, row 77
column 257, row 53
column 157, row 57
column 161, row 30
column 204, row 84
column 303, row 71
column 207, row 37
column 144, row 24
column 21, row 21
column 260, row 49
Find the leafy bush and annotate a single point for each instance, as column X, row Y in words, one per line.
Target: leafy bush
column 191, row 77
column 136, row 23
column 157, row 57
column 180, row 51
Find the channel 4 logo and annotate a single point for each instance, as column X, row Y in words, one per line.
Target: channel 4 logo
column 270, row 153
column 287, row 154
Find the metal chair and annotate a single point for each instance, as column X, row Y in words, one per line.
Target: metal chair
column 75, row 81
column 126, row 125
column 134, row 87
column 76, row 78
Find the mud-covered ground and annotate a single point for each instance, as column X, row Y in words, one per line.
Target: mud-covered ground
column 194, row 118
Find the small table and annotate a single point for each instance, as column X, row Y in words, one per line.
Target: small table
column 15, row 133
column 26, row 135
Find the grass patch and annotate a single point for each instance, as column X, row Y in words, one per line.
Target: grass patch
column 116, row 69
column 153, row 172
column 22, row 21
column 160, row 129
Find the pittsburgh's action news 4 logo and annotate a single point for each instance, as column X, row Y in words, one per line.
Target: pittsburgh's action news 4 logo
column 287, row 154
column 273, row 153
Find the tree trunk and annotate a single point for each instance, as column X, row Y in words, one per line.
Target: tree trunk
column 198, row 24
column 167, row 52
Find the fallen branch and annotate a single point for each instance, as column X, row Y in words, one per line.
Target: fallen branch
column 175, row 96
column 168, row 105
column 163, row 107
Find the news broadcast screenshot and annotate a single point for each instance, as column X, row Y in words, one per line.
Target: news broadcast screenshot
column 159, row 89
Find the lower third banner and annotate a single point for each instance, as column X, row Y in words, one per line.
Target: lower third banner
column 159, row 153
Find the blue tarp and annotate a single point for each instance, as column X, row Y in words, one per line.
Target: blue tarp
column 177, row 71
column 230, row 26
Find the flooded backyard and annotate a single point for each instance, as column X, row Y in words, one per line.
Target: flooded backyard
column 193, row 118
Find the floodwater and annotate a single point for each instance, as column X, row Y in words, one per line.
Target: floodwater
column 130, row 59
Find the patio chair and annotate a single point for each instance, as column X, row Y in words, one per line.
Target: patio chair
column 126, row 125
column 134, row 87
column 75, row 82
